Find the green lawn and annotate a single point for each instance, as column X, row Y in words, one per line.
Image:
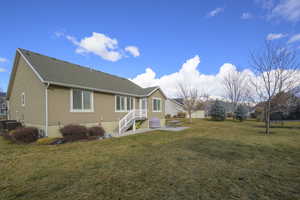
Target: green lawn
column 211, row 160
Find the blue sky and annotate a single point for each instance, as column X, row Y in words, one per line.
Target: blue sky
column 162, row 34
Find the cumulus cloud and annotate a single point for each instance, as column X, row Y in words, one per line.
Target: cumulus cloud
column 294, row 38
column 288, row 10
column 215, row 12
column 100, row 45
column 133, row 50
column 246, row 15
column 2, row 60
column 2, row 69
column 275, row 36
column 188, row 74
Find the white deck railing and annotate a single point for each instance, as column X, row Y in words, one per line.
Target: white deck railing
column 131, row 117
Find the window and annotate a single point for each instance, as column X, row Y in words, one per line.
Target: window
column 23, row 99
column 143, row 104
column 156, row 105
column 124, row 103
column 129, row 103
column 120, row 103
column 81, row 101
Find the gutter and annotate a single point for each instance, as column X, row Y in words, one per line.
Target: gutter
column 46, row 109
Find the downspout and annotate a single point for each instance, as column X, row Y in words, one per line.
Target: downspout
column 7, row 109
column 46, row 109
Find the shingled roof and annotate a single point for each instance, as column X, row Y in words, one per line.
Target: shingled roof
column 58, row 72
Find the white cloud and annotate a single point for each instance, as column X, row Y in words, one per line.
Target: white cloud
column 2, row 69
column 294, row 38
column 266, row 4
column 246, row 16
column 275, row 36
column 2, row 60
column 288, row 10
column 133, row 50
column 188, row 74
column 215, row 12
column 100, row 45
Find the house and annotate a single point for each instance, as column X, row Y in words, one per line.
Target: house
column 3, row 106
column 175, row 106
column 48, row 93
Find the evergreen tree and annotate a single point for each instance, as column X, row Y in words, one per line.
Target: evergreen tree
column 217, row 111
column 241, row 113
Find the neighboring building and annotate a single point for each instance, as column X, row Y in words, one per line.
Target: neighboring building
column 48, row 93
column 3, row 107
column 175, row 106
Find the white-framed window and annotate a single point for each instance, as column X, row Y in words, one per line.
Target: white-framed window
column 82, row 100
column 124, row 103
column 156, row 105
column 143, row 104
column 23, row 99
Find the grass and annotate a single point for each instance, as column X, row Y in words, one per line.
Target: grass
column 211, row 160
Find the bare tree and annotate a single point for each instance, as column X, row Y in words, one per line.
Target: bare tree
column 235, row 87
column 276, row 69
column 190, row 97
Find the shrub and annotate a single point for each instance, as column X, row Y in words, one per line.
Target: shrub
column 96, row 131
column 74, row 132
column 24, row 135
column 6, row 136
column 181, row 115
column 138, row 124
column 241, row 113
column 217, row 111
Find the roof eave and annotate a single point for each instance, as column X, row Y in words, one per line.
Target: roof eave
column 154, row 90
column 92, row 89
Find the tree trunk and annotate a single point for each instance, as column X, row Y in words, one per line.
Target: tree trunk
column 190, row 116
column 268, row 115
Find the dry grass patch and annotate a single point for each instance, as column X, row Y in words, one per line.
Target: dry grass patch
column 211, row 160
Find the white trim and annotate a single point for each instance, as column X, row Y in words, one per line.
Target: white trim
column 154, row 90
column 82, row 110
column 23, row 99
column 36, row 73
column 160, row 109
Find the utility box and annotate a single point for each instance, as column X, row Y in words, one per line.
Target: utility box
column 154, row 123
